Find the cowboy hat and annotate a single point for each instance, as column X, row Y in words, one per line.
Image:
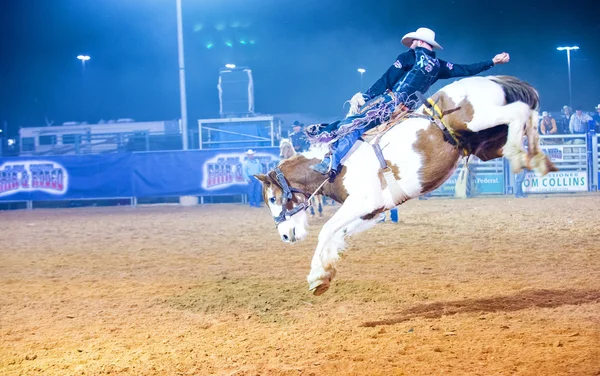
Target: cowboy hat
column 250, row 152
column 422, row 33
column 598, row 106
column 545, row 113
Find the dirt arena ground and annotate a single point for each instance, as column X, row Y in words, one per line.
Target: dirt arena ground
column 493, row 286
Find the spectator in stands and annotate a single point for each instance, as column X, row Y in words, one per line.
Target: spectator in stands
column 251, row 167
column 563, row 122
column 596, row 118
column 579, row 121
column 547, row 124
column 299, row 139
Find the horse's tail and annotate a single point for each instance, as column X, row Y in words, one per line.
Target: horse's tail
column 460, row 188
column 517, row 90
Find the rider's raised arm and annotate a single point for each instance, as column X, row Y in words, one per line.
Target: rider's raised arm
column 449, row 70
column 403, row 63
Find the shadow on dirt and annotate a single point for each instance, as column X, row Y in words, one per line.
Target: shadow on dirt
column 522, row 300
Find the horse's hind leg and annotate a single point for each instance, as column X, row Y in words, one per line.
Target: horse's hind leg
column 538, row 161
column 516, row 115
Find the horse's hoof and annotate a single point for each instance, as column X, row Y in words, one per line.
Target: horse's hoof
column 314, row 284
column 319, row 287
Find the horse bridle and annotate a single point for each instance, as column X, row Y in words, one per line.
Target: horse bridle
column 287, row 195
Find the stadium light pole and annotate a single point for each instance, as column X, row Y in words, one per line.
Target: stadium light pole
column 182, row 96
column 83, row 59
column 569, row 49
column 361, row 71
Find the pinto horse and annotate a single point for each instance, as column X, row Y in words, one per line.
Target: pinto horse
column 286, row 151
column 488, row 115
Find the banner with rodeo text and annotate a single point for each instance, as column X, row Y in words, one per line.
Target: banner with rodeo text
column 65, row 177
column 222, row 172
column 197, row 172
column 576, row 181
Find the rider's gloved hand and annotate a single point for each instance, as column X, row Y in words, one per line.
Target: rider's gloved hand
column 356, row 102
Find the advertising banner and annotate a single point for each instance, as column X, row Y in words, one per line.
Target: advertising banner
column 153, row 174
column 492, row 183
column 198, row 172
column 483, row 183
column 576, row 181
column 59, row 178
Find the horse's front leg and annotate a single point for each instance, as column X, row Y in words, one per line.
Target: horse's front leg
column 331, row 241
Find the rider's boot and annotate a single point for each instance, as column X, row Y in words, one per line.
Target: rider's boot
column 340, row 149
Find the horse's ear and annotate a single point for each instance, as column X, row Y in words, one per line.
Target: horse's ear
column 262, row 178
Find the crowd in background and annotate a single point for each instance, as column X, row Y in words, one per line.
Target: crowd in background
column 569, row 122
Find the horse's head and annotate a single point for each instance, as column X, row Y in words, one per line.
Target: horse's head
column 287, row 203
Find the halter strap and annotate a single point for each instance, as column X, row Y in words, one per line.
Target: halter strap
column 288, row 195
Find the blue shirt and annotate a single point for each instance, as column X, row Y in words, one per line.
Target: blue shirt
column 252, row 167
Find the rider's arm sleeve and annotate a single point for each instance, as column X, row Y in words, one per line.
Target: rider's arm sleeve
column 403, row 63
column 449, row 70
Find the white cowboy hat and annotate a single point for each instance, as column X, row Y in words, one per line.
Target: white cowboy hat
column 598, row 106
column 250, row 152
column 545, row 113
column 422, row 33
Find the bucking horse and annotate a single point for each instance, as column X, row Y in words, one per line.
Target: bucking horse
column 405, row 157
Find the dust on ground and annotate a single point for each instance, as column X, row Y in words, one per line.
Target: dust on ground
column 480, row 287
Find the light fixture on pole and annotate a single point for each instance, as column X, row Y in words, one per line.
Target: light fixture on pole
column 361, row 71
column 569, row 49
column 83, row 59
column 230, row 66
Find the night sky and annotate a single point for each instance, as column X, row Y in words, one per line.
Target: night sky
column 303, row 54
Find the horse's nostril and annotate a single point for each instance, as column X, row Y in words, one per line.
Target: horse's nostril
column 285, row 237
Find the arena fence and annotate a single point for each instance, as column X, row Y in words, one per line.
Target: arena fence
column 213, row 174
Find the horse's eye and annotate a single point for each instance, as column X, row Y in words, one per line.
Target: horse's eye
column 272, row 199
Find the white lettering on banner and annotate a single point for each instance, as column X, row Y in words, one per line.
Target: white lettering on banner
column 487, row 180
column 556, row 182
column 30, row 176
column 225, row 170
column 555, row 153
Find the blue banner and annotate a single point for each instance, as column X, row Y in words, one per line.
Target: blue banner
column 65, row 177
column 483, row 183
column 199, row 172
column 222, row 172
column 489, row 183
column 176, row 173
